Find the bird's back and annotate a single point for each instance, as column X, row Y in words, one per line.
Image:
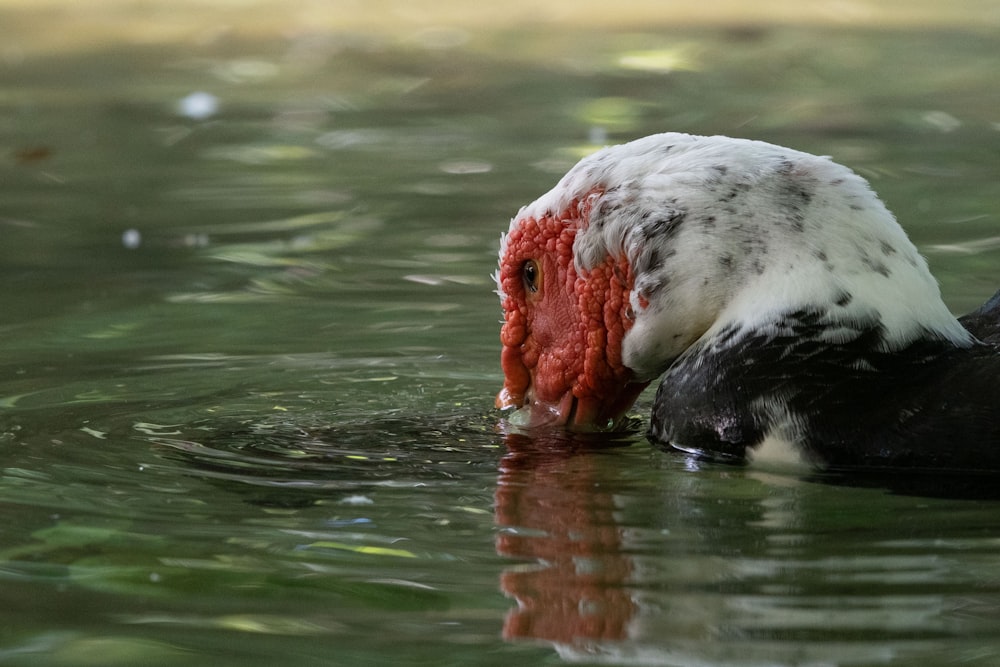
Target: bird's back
column 984, row 322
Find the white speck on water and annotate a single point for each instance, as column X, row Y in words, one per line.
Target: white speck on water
column 198, row 106
column 131, row 238
column 466, row 167
column 433, row 281
column 357, row 500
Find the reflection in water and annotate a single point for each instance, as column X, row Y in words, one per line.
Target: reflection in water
column 556, row 512
column 729, row 566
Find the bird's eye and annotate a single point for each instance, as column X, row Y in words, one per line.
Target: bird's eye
column 531, row 275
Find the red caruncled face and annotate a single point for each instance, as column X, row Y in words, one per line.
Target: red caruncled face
column 563, row 330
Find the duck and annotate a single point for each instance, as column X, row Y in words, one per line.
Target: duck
column 770, row 291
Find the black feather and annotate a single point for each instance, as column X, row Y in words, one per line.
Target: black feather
column 929, row 406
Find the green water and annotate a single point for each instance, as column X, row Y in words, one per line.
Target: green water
column 249, row 360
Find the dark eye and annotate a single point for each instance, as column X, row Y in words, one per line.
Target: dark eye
column 531, row 275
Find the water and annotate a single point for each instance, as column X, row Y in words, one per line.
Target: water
column 250, row 349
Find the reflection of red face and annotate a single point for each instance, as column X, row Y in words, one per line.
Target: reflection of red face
column 579, row 589
column 563, row 329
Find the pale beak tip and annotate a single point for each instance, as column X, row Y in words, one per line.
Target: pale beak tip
column 505, row 400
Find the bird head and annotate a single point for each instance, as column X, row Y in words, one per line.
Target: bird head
column 564, row 324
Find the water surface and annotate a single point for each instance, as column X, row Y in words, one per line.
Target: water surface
column 250, row 349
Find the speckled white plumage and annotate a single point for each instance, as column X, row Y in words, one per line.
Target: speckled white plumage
column 725, row 232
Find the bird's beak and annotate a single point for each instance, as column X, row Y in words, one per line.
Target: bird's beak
column 507, row 400
column 569, row 411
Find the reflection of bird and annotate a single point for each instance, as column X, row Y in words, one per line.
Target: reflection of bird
column 775, row 291
column 557, row 508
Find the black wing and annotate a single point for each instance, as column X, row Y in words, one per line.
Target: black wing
column 984, row 322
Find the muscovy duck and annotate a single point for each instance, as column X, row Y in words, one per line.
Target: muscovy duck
column 773, row 291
